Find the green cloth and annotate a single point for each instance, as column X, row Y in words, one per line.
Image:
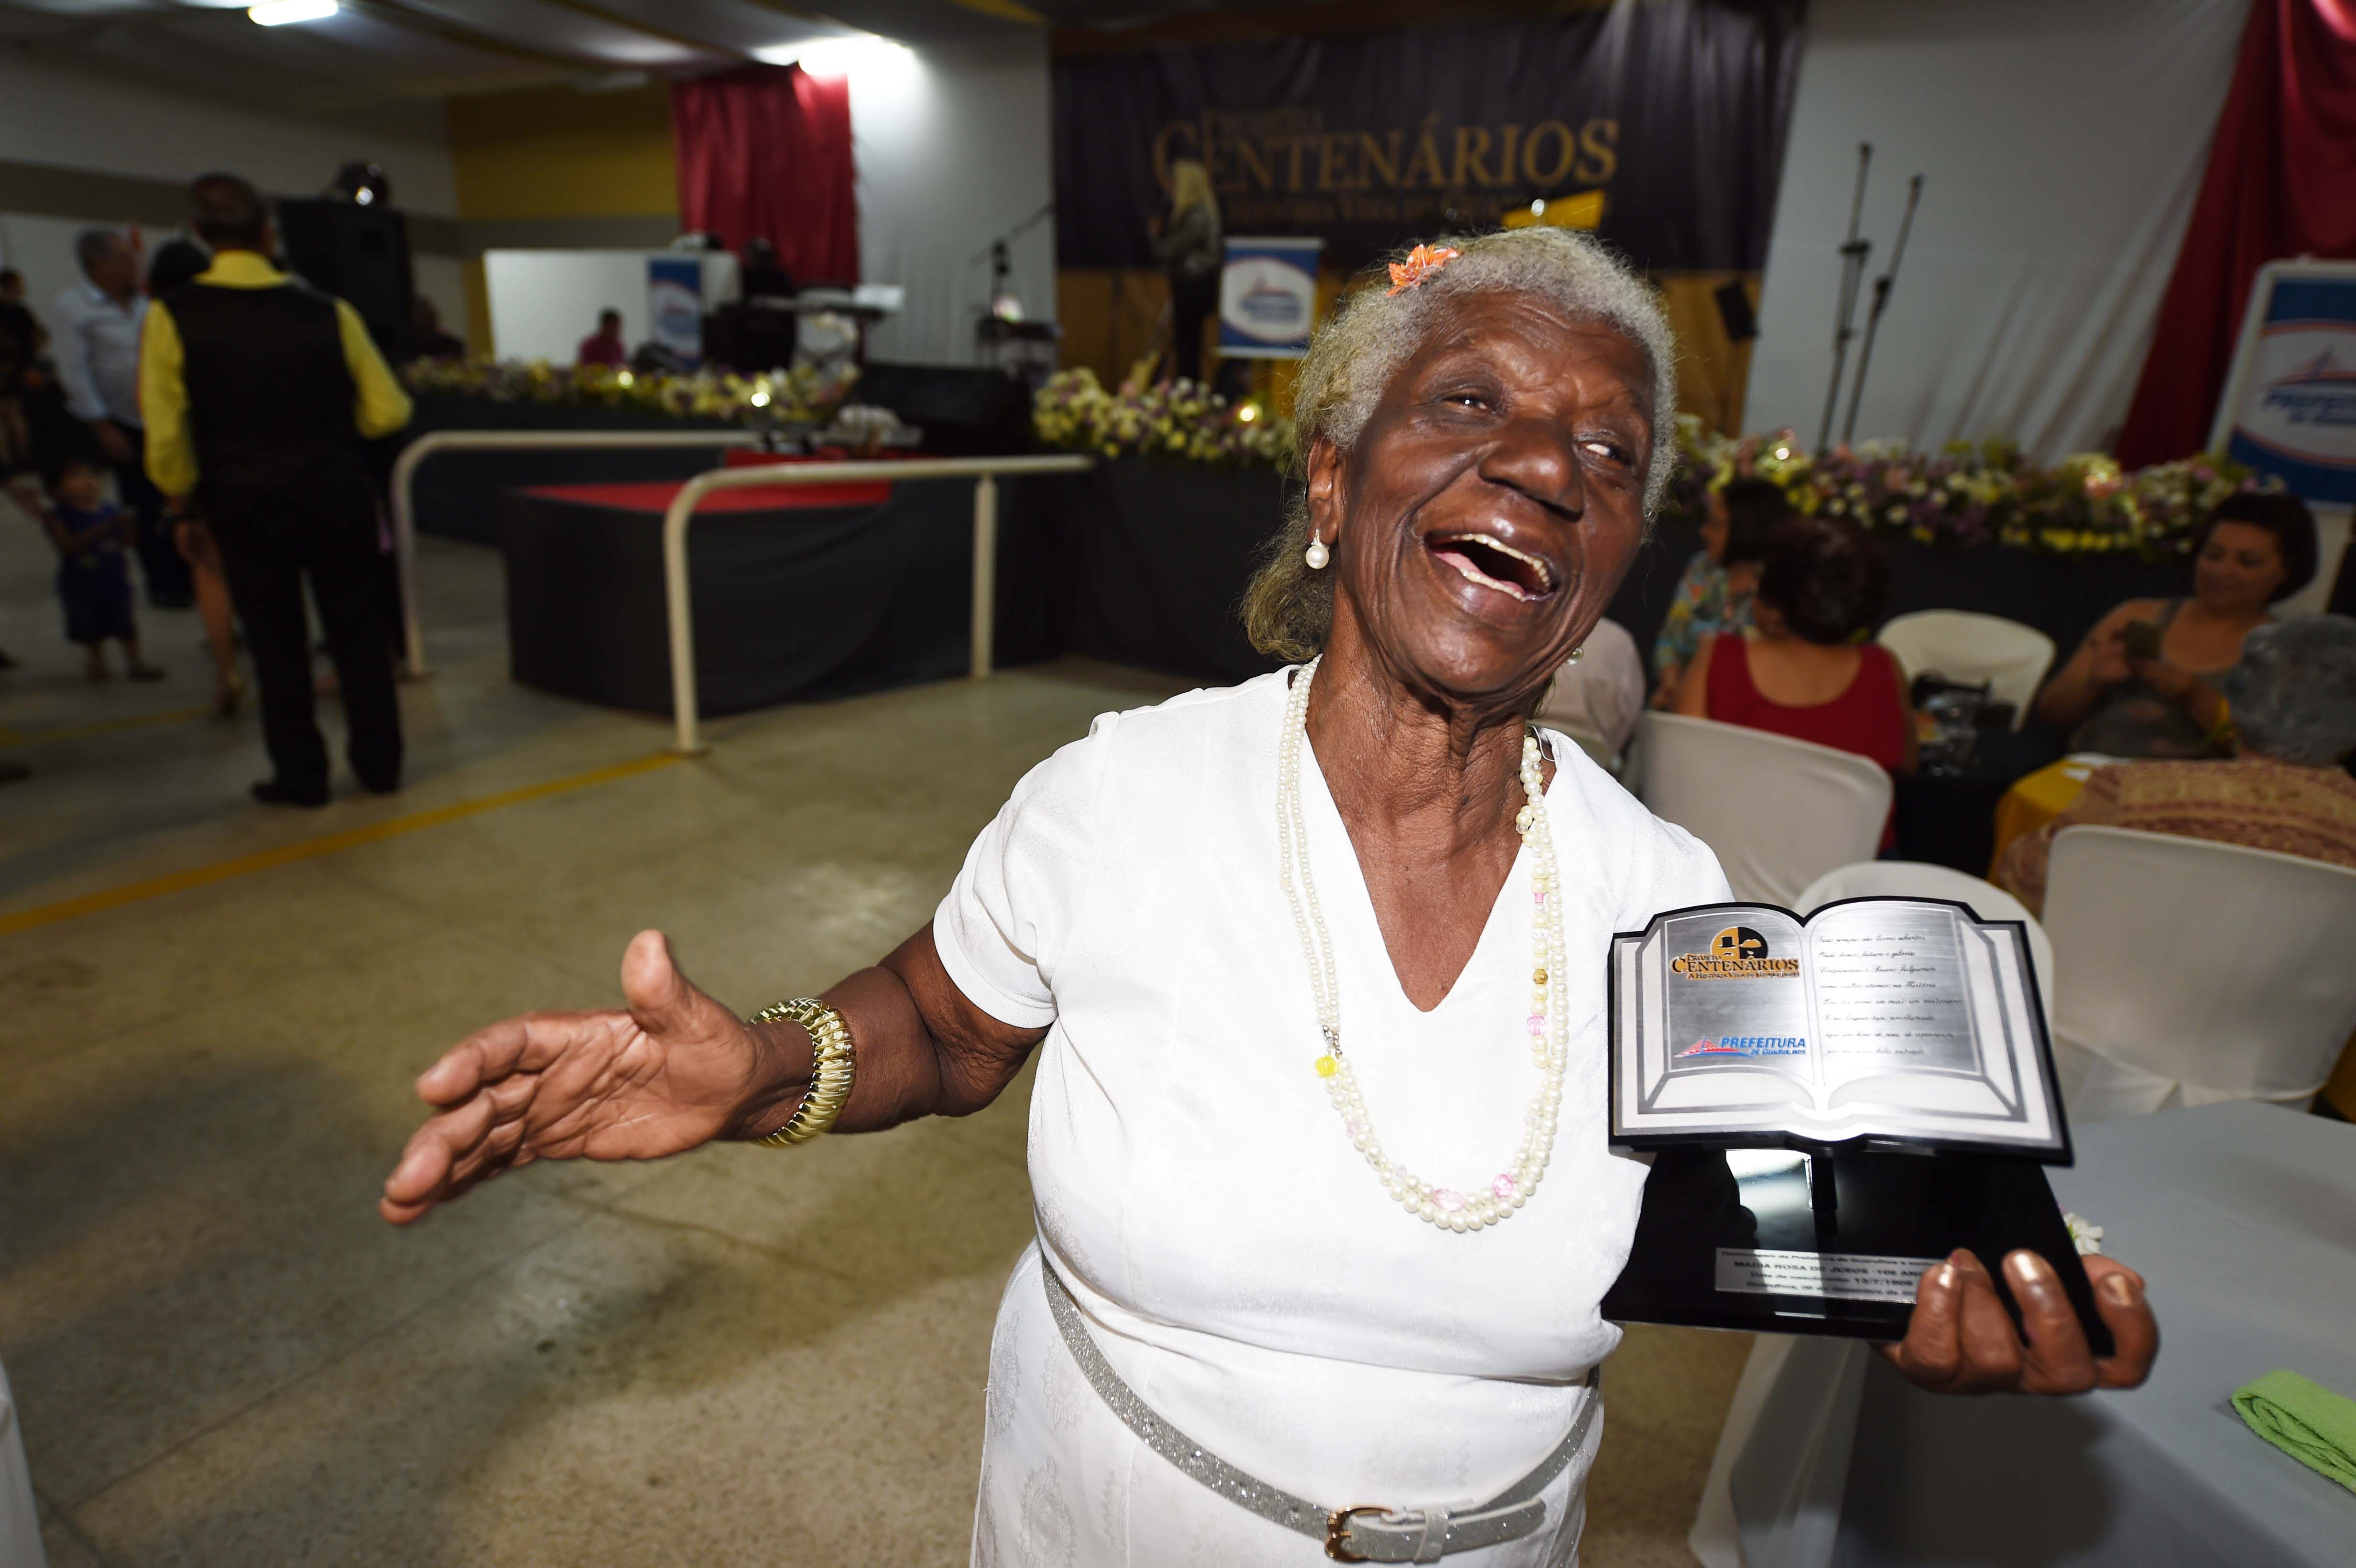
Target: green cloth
column 2305, row 1420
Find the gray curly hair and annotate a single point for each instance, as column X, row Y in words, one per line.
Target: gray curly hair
column 1289, row 608
column 2294, row 691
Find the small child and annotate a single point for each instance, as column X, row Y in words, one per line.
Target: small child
column 93, row 572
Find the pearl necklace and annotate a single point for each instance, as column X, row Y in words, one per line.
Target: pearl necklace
column 1507, row 1191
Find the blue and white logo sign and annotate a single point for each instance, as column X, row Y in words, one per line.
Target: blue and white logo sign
column 1268, row 298
column 2290, row 403
column 675, row 304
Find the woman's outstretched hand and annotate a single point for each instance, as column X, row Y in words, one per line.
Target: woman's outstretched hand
column 1961, row 1340
column 673, row 1071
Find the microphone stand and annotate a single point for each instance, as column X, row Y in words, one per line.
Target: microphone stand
column 1853, row 258
column 996, row 253
column 1880, row 303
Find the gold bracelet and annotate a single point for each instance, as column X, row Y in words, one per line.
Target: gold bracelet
column 832, row 1068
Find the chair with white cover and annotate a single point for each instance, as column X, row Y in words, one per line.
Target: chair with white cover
column 1967, row 646
column 1921, row 879
column 20, row 1519
column 1780, row 812
column 2189, row 972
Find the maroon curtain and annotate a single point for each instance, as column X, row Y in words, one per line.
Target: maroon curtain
column 765, row 152
column 2281, row 182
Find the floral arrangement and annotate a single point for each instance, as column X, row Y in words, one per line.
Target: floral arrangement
column 1967, row 492
column 1183, row 422
column 803, row 395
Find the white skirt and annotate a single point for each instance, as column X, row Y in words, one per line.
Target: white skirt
column 1065, row 1484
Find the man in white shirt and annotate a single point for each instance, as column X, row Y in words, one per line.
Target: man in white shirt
column 94, row 338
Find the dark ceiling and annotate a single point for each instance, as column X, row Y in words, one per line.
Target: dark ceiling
column 374, row 51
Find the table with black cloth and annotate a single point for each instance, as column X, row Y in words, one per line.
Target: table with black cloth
column 2242, row 1218
column 1166, row 552
column 799, row 592
column 1948, row 818
column 457, row 492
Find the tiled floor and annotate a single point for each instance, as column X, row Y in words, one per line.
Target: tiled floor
column 223, row 1356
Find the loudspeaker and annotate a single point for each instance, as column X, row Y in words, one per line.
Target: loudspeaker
column 359, row 254
column 1734, row 310
column 964, row 412
column 749, row 337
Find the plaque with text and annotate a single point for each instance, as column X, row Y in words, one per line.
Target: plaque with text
column 1890, row 1020
column 1835, row 1103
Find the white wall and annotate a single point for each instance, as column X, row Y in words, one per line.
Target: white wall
column 951, row 148
column 41, row 249
column 49, row 114
column 2062, row 144
column 543, row 303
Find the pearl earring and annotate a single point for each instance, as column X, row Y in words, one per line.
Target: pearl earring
column 1577, row 653
column 1317, row 555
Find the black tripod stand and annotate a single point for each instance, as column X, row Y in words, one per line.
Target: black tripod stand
column 1854, row 254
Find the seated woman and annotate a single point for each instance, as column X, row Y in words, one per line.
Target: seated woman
column 1714, row 595
column 2143, row 684
column 1804, row 669
column 2294, row 706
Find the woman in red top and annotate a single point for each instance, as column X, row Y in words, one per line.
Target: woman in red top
column 1803, row 668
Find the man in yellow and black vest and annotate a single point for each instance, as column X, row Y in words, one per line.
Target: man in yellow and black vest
column 257, row 392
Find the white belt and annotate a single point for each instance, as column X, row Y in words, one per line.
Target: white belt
column 1367, row 1532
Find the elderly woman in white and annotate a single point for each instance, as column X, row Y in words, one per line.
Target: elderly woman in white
column 1315, row 966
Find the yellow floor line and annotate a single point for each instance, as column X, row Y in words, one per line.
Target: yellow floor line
column 310, row 848
column 73, row 732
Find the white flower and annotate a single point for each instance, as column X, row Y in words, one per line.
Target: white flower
column 2087, row 1237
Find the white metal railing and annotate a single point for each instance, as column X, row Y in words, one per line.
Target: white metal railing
column 984, row 471
column 404, row 507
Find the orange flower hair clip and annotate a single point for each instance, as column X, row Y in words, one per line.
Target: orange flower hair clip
column 1420, row 263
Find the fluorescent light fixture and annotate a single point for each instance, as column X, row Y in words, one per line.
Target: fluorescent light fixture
column 849, row 56
column 278, row 12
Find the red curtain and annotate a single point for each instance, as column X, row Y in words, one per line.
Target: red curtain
column 2281, row 182
column 765, row 152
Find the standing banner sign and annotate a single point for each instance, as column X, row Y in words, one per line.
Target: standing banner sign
column 675, row 304
column 1267, row 297
column 1664, row 119
column 2289, row 407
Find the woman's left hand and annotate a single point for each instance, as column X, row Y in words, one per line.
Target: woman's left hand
column 1961, row 1340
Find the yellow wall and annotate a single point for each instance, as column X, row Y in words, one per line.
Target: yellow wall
column 557, row 152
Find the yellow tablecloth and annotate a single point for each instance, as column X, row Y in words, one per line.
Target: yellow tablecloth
column 2036, row 799
column 2340, row 1093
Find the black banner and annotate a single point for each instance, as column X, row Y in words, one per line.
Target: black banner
column 1673, row 110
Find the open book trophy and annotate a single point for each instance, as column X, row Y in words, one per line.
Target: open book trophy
column 1835, row 1103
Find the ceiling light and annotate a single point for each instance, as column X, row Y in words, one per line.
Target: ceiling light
column 278, row 12
column 856, row 54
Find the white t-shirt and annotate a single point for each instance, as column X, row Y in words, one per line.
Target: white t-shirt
column 1239, row 1264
